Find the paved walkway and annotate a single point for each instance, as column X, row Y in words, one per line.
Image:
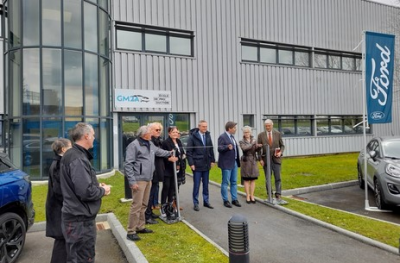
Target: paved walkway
column 277, row 235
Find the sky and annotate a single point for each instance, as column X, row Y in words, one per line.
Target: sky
column 388, row 2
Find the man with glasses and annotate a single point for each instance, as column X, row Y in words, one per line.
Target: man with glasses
column 158, row 175
column 200, row 156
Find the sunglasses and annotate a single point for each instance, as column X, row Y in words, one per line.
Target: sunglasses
column 157, row 130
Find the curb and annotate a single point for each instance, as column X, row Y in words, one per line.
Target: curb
column 129, row 248
column 317, row 188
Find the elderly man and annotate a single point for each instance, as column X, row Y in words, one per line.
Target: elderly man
column 273, row 138
column 82, row 195
column 139, row 169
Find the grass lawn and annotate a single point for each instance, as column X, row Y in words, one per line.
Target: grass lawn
column 178, row 243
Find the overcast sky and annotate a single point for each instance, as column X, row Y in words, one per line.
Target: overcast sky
column 388, row 2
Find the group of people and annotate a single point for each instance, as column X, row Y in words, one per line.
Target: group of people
column 74, row 197
column 200, row 156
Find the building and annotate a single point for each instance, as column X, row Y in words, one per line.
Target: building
column 121, row 64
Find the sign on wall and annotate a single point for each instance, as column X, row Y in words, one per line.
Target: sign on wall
column 379, row 70
column 129, row 98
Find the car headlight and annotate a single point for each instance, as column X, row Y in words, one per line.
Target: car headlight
column 393, row 170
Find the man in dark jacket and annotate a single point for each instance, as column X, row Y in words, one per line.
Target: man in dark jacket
column 200, row 156
column 82, row 195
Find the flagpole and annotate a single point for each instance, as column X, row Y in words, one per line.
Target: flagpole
column 365, row 118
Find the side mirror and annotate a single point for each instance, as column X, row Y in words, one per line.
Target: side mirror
column 372, row 154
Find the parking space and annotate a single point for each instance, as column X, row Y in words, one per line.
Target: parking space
column 350, row 199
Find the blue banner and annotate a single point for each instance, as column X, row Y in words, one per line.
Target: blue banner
column 379, row 70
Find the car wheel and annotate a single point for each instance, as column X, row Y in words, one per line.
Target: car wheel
column 379, row 197
column 361, row 182
column 28, row 160
column 12, row 237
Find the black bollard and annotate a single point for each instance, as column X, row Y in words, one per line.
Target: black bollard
column 128, row 191
column 238, row 235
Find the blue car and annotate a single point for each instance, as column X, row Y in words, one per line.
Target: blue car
column 16, row 209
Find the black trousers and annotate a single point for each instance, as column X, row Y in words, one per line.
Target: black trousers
column 153, row 192
column 80, row 238
column 59, row 254
column 168, row 189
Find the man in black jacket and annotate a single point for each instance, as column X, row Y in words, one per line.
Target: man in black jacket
column 200, row 156
column 82, row 195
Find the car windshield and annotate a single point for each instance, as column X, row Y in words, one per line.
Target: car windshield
column 391, row 149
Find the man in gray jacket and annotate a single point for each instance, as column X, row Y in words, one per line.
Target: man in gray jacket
column 139, row 169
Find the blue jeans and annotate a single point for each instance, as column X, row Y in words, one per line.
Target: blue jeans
column 197, row 177
column 229, row 177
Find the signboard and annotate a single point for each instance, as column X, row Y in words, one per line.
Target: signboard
column 379, row 70
column 129, row 98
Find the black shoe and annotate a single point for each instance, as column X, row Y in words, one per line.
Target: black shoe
column 144, row 231
column 227, row 204
column 154, row 216
column 248, row 201
column 132, row 237
column 208, row 205
column 236, row 203
column 253, row 201
column 151, row 221
column 196, row 208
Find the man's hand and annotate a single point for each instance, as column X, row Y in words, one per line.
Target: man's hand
column 230, row 146
column 135, row 187
column 173, row 159
column 212, row 164
column 107, row 188
column 192, row 167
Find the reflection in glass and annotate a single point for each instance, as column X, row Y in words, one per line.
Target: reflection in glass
column 104, row 33
column 334, row 62
column 322, row 125
column 31, row 146
column 52, row 130
column 52, row 78
column 249, row 53
column 104, row 4
column 268, row 55
column 72, row 24
column 155, row 42
column 95, row 151
column 15, row 141
column 104, row 93
column 15, row 25
column 51, row 22
column 129, row 40
column 320, row 61
column 15, row 82
column 30, row 13
column 73, row 83
column 180, row 46
column 302, row 59
column 285, row 57
column 91, row 85
column 248, row 119
column 358, row 64
column 348, row 63
column 90, row 20
column 336, row 125
column 304, row 126
column 31, row 82
column 287, row 127
column 104, row 146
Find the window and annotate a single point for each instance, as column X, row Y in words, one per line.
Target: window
column 284, row 54
column 151, row 39
column 248, row 120
column 305, row 125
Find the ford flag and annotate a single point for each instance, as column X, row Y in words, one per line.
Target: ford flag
column 379, row 69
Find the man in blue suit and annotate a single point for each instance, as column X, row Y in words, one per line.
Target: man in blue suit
column 200, row 156
column 229, row 162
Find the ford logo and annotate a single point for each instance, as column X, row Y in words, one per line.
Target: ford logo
column 377, row 115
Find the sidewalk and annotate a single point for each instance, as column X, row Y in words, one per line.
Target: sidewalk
column 279, row 235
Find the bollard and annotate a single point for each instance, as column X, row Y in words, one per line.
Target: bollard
column 128, row 191
column 238, row 235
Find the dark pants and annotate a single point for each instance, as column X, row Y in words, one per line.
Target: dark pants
column 168, row 189
column 59, row 254
column 197, row 177
column 153, row 193
column 276, row 171
column 80, row 238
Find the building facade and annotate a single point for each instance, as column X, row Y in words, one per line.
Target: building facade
column 121, row 64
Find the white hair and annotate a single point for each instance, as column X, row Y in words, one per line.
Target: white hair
column 268, row 121
column 247, row 128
